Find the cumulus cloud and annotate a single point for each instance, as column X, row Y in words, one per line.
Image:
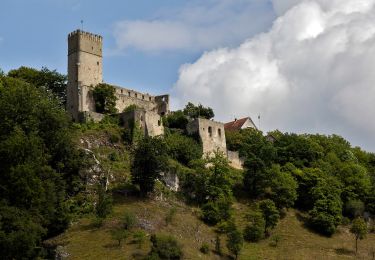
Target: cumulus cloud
column 197, row 26
column 311, row 72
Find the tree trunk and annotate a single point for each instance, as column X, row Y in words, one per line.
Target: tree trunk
column 356, row 245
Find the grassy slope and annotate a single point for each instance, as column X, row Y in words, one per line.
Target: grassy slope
column 84, row 241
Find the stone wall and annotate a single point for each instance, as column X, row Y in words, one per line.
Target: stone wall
column 148, row 121
column 211, row 133
column 235, row 160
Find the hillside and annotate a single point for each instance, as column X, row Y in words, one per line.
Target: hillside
column 84, row 241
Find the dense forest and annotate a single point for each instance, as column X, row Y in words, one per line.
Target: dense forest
column 43, row 188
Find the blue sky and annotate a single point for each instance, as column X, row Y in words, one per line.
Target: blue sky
column 291, row 61
column 33, row 33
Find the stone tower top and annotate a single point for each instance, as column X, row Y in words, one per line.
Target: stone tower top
column 79, row 40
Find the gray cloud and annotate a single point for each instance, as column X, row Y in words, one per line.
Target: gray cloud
column 197, row 26
column 312, row 72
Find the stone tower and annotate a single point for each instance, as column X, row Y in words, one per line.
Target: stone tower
column 84, row 71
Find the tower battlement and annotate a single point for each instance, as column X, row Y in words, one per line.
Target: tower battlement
column 87, row 35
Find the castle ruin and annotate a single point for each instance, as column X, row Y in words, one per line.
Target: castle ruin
column 85, row 71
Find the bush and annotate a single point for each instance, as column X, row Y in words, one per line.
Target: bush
column 275, row 240
column 235, row 242
column 214, row 212
column 354, row 208
column 182, row 148
column 165, row 247
column 119, row 235
column 129, row 221
column 104, row 204
column 255, row 230
column 139, row 237
column 205, row 248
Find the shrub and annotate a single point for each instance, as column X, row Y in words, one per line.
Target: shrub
column 129, row 221
column 214, row 212
column 119, row 235
column 205, row 248
column 104, row 204
column 354, row 208
column 275, row 240
column 270, row 214
column 235, row 242
column 182, row 148
column 139, row 237
column 165, row 247
column 105, row 98
column 255, row 230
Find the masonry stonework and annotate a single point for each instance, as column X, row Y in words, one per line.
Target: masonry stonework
column 85, row 71
column 211, row 133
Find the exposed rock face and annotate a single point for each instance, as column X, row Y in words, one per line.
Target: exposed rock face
column 170, row 180
column 60, row 253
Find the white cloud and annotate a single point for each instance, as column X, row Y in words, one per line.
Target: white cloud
column 312, row 72
column 198, row 25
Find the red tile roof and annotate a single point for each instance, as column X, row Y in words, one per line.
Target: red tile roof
column 236, row 124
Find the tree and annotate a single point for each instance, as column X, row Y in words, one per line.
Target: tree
column 183, row 148
column 270, row 213
column 150, row 159
column 47, row 79
column 235, row 242
column 176, row 119
column 165, row 247
column 359, row 229
column 120, row 235
column 327, row 210
column 104, row 204
column 255, row 229
column 198, row 111
column 39, row 166
column 105, row 98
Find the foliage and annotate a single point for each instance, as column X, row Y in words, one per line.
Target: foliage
column 129, row 221
column 255, row 229
column 193, row 111
column 354, row 208
column 205, row 248
column 359, row 229
column 39, row 164
column 327, row 211
column 270, row 214
column 130, row 108
column 139, row 237
column 104, row 204
column 182, row 148
column 105, row 98
column 176, row 119
column 235, row 242
column 46, row 79
column 215, row 211
column 150, row 158
column 275, row 239
column 120, row 235
column 165, row 247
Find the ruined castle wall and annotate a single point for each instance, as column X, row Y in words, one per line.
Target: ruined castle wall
column 211, row 133
column 235, row 160
column 149, row 122
column 154, row 126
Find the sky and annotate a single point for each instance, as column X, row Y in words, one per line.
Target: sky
column 304, row 66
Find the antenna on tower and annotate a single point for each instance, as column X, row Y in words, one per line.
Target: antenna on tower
column 82, row 25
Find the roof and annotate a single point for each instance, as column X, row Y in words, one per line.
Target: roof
column 237, row 124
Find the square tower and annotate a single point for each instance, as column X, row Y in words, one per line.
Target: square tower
column 84, row 71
